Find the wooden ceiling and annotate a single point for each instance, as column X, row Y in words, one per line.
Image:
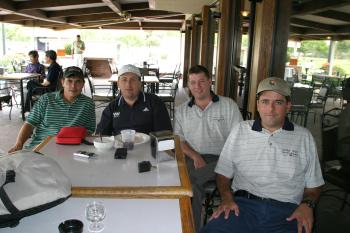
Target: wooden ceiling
column 320, row 20
column 107, row 14
column 310, row 19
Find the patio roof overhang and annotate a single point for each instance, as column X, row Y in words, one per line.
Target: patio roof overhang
column 85, row 14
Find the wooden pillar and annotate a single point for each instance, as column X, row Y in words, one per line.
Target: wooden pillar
column 205, row 38
column 194, row 43
column 187, row 47
column 270, row 44
column 229, row 42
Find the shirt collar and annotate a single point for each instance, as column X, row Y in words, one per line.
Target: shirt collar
column 286, row 126
column 215, row 98
column 141, row 96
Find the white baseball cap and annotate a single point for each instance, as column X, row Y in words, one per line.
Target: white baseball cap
column 129, row 69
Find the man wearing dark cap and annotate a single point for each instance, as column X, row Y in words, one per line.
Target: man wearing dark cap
column 50, row 82
column 133, row 109
column 67, row 107
column 274, row 167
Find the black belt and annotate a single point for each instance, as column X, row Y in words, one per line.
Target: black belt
column 246, row 194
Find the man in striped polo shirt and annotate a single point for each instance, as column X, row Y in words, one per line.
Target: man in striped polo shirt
column 55, row 110
column 203, row 125
column 275, row 170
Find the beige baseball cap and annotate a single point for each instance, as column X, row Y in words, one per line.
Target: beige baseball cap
column 129, row 69
column 274, row 84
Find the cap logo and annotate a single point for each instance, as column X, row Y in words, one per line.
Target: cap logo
column 272, row 82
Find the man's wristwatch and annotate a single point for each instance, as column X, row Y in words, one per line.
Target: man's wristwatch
column 309, row 203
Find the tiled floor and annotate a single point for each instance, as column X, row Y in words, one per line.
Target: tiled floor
column 329, row 218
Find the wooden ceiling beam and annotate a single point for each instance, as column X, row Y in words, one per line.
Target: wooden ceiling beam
column 150, row 13
column 337, row 15
column 311, row 24
column 92, row 18
column 7, row 5
column 114, row 5
column 13, row 18
column 77, row 12
column 49, row 3
column 315, row 6
column 135, row 6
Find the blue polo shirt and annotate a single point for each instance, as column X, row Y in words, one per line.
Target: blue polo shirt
column 146, row 115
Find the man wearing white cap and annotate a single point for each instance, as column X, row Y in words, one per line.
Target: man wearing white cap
column 275, row 170
column 133, row 109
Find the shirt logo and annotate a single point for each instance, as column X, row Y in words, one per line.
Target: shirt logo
column 290, row 153
column 145, row 109
column 116, row 114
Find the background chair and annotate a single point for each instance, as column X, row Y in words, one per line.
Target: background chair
column 332, row 170
column 319, row 101
column 6, row 97
column 99, row 71
column 300, row 98
column 168, row 97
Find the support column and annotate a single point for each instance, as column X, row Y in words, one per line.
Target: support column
column 331, row 52
column 187, row 52
column 270, row 44
column 205, row 42
column 228, row 47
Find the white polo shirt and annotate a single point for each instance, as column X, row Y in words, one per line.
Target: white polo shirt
column 206, row 130
column 276, row 165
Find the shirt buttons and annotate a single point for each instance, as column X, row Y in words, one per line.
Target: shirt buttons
column 270, row 143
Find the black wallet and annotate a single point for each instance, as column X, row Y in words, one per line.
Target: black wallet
column 120, row 153
column 144, row 166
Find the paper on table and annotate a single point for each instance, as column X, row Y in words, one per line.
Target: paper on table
column 166, row 145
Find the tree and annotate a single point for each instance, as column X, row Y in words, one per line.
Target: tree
column 342, row 50
column 312, row 48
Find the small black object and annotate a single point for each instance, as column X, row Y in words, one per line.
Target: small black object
column 71, row 226
column 144, row 166
column 121, row 153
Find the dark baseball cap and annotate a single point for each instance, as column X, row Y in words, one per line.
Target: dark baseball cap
column 73, row 71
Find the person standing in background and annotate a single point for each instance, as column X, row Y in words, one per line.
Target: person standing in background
column 78, row 50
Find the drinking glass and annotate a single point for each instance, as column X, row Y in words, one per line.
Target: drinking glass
column 95, row 212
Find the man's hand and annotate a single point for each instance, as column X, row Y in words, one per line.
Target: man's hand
column 16, row 147
column 226, row 206
column 199, row 162
column 304, row 215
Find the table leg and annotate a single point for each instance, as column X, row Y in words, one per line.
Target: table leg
column 22, row 100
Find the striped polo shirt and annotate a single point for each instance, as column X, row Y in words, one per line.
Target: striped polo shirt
column 276, row 165
column 52, row 112
column 206, row 130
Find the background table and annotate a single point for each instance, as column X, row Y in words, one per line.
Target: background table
column 20, row 77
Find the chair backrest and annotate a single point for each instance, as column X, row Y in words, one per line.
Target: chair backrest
column 323, row 92
column 99, row 67
column 301, row 96
column 329, row 143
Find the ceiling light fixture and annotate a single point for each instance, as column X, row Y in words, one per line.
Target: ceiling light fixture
column 245, row 13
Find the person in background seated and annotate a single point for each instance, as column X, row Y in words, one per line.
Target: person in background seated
column 275, row 169
column 133, row 109
column 50, row 82
column 34, row 66
column 55, row 110
column 203, row 124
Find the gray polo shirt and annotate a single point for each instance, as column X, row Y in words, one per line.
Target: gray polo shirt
column 206, row 130
column 276, row 165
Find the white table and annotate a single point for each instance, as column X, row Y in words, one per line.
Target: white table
column 106, row 177
column 19, row 77
column 122, row 216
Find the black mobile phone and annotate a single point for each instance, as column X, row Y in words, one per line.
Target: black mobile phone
column 120, row 153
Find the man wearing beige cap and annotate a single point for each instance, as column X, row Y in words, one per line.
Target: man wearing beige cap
column 275, row 170
column 133, row 109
